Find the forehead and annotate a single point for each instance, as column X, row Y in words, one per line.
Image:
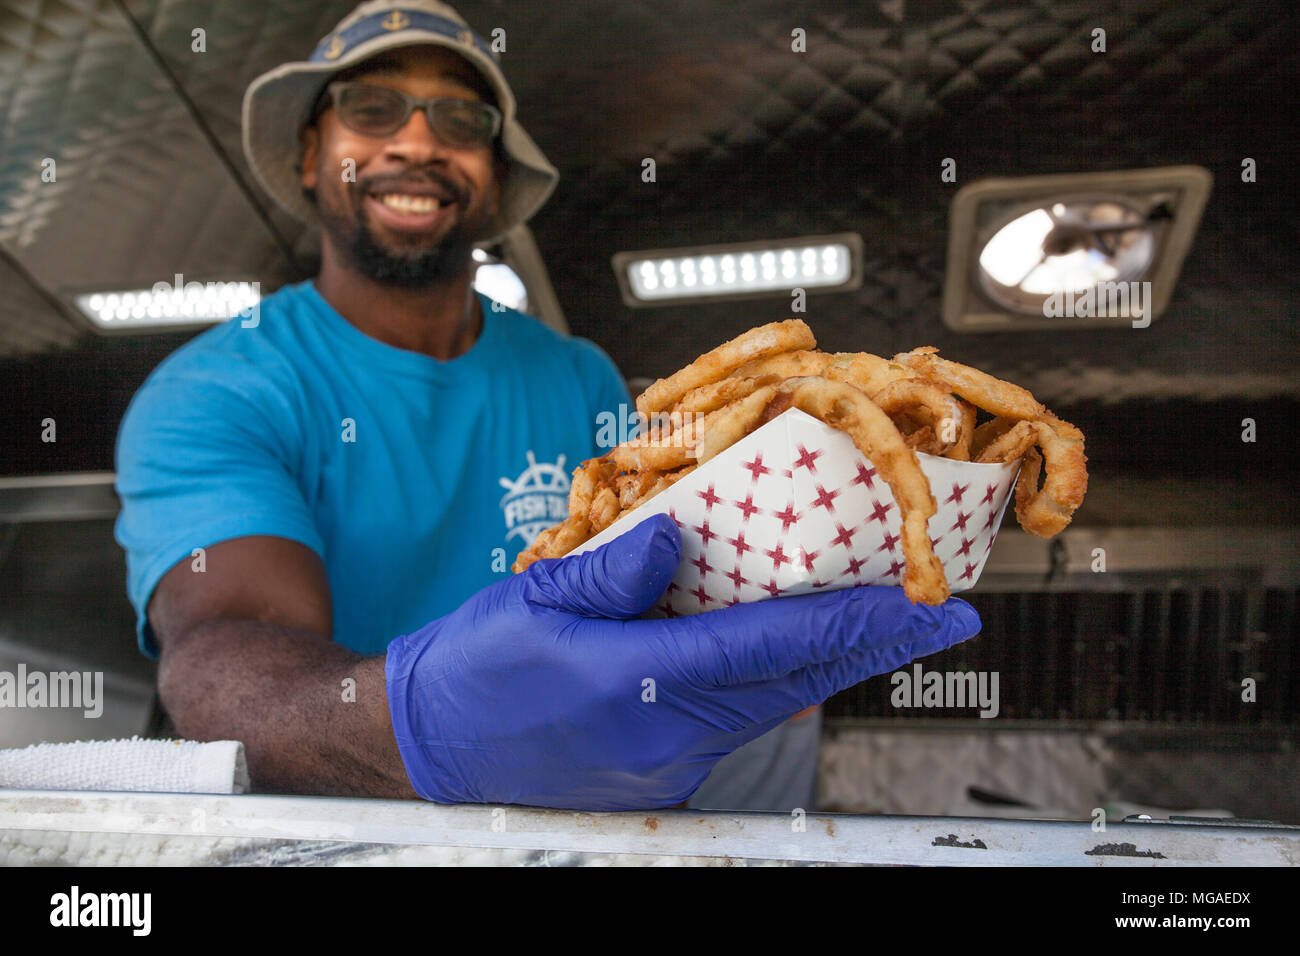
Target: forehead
column 422, row 63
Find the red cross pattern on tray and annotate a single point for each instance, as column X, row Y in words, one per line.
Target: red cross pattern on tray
column 795, row 507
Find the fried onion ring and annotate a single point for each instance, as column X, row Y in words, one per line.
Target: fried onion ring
column 891, row 408
column 1011, row 444
column 645, row 457
column 787, row 365
column 863, row 370
column 663, row 482
column 986, row 392
column 961, row 448
column 604, row 510
column 842, row 406
column 1046, row 511
column 711, row 397
column 771, row 339
column 1027, row 484
column 988, row 433
column 671, row 450
column 923, row 440
column 586, row 478
column 728, row 425
column 554, row 542
column 941, row 406
column 632, row 486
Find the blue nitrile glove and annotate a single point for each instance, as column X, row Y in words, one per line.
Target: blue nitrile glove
column 537, row 689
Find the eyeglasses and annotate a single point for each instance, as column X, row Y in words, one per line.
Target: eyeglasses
column 381, row 111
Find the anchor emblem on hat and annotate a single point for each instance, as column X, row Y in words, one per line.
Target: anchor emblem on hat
column 396, row 20
column 335, row 48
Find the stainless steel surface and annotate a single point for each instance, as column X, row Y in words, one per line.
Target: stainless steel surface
column 1055, row 770
column 127, row 699
column 1272, row 551
column 67, row 497
column 655, row 835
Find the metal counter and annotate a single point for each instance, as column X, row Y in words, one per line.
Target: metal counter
column 106, row 829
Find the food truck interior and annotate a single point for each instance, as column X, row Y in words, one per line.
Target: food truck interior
column 1147, row 657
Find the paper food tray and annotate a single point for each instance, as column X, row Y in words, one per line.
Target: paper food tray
column 794, row 507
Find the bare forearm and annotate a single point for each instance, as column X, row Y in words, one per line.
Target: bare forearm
column 313, row 715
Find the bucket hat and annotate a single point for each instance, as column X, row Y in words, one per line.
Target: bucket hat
column 278, row 103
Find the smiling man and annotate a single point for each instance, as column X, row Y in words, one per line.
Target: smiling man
column 423, row 193
column 313, row 512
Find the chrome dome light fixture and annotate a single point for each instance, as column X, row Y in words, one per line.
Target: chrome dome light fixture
column 1073, row 251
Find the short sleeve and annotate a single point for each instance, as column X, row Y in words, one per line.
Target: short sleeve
column 205, row 453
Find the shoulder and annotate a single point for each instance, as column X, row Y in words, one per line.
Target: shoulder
column 244, row 364
column 258, row 342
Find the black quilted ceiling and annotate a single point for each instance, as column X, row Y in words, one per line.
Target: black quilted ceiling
column 751, row 140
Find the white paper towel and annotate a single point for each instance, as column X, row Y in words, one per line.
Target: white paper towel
column 158, row 766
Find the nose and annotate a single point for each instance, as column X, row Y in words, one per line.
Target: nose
column 416, row 142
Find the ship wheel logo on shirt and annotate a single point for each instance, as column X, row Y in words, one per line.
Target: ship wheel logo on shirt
column 536, row 500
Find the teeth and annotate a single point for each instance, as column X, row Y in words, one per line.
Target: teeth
column 409, row 204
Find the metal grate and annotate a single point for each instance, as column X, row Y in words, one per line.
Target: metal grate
column 1166, row 649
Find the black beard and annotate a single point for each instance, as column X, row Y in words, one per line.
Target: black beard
column 417, row 269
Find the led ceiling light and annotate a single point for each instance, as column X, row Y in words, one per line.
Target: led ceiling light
column 742, row 270
column 1070, row 251
column 169, row 305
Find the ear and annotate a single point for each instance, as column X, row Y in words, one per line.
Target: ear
column 309, row 143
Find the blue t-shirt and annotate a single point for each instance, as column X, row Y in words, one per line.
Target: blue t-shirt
column 416, row 481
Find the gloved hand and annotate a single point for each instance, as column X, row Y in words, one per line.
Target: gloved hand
column 538, row 689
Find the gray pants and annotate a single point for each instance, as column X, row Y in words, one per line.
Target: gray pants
column 777, row 771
